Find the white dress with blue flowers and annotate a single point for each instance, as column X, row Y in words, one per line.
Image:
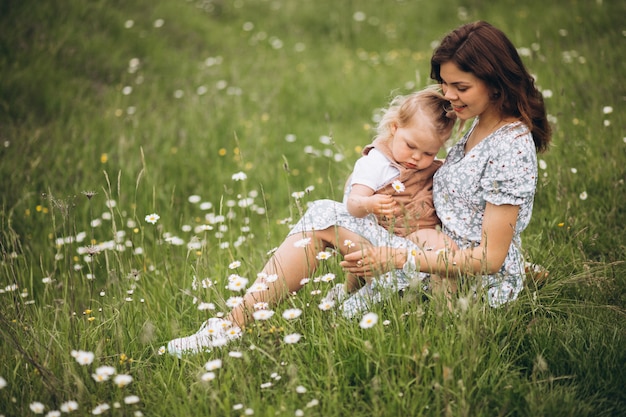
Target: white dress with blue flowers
column 501, row 169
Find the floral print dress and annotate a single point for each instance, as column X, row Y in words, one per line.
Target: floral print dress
column 501, row 169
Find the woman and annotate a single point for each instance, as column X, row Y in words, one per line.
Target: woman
column 483, row 193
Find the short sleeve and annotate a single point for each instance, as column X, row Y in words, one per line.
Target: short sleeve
column 373, row 170
column 510, row 175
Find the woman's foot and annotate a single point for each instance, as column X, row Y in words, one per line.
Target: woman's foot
column 214, row 332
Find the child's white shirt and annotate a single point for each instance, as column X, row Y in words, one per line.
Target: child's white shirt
column 373, row 170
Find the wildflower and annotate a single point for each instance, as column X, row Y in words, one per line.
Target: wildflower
column 316, row 292
column 386, row 323
column 193, row 199
column 348, row 243
column 327, row 277
column 122, row 380
column 208, row 376
column 290, row 339
column 3, row 382
column 543, row 164
column 83, row 357
column 326, row 305
column 583, row 196
column 292, row 313
column 234, row 265
column 53, row 413
column 100, row 408
column 297, row 194
column 304, row 281
column 161, row 350
column 398, row 186
column 312, row 403
column 261, row 305
column 607, row 109
column 235, row 354
column 302, row 242
column 266, row 385
column 368, row 320
column 239, row 176
column 233, row 302
column 69, row 406
column 37, row 407
column 131, row 399
column 248, row 411
column 322, row 256
column 262, row 314
column 299, row 413
column 300, row 389
column 206, row 306
column 152, row 218
column 213, row 365
column 103, row 373
column 237, row 283
column 258, row 287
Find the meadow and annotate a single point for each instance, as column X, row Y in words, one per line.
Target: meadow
column 151, row 149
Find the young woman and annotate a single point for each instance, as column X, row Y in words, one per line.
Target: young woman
column 484, row 191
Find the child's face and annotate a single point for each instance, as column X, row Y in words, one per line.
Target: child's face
column 415, row 146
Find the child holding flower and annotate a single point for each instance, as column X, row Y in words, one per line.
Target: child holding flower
column 393, row 180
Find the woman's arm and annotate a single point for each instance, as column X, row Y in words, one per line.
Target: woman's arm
column 486, row 258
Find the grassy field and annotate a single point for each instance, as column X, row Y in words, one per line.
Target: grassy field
column 112, row 110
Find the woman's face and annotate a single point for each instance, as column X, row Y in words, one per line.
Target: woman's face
column 468, row 94
column 415, row 146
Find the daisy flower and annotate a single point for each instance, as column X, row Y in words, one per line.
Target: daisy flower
column 290, row 339
column 208, row 376
column 69, row 406
column 152, row 218
column 213, row 365
column 348, row 243
column 262, row 314
column 300, row 389
column 258, row 287
column 235, row 354
column 326, row 305
column 233, row 332
column 3, row 382
column 83, row 357
column 122, row 380
column 239, row 176
column 292, row 313
column 322, row 256
column 37, row 407
column 368, row 320
column 327, row 277
column 237, row 283
column 100, row 408
column 261, row 305
column 131, row 399
column 234, row 265
column 233, row 302
column 398, row 186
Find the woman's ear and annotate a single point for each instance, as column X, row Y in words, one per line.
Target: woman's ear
column 393, row 128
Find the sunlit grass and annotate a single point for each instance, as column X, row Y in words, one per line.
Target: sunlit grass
column 151, row 151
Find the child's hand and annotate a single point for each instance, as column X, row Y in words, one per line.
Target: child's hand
column 382, row 205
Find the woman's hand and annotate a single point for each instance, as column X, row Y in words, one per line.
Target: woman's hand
column 374, row 261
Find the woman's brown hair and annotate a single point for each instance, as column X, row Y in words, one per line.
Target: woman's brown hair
column 486, row 52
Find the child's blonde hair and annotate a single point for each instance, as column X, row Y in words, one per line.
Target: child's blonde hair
column 429, row 101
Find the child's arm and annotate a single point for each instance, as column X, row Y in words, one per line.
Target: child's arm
column 362, row 201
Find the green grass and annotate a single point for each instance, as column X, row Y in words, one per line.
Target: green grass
column 216, row 90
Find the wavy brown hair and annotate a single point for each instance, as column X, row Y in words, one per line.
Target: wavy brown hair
column 486, row 52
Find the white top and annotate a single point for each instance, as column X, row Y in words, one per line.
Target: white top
column 373, row 170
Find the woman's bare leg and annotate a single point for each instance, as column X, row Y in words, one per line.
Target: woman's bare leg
column 292, row 262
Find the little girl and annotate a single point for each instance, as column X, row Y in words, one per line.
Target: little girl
column 391, row 184
column 393, row 179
